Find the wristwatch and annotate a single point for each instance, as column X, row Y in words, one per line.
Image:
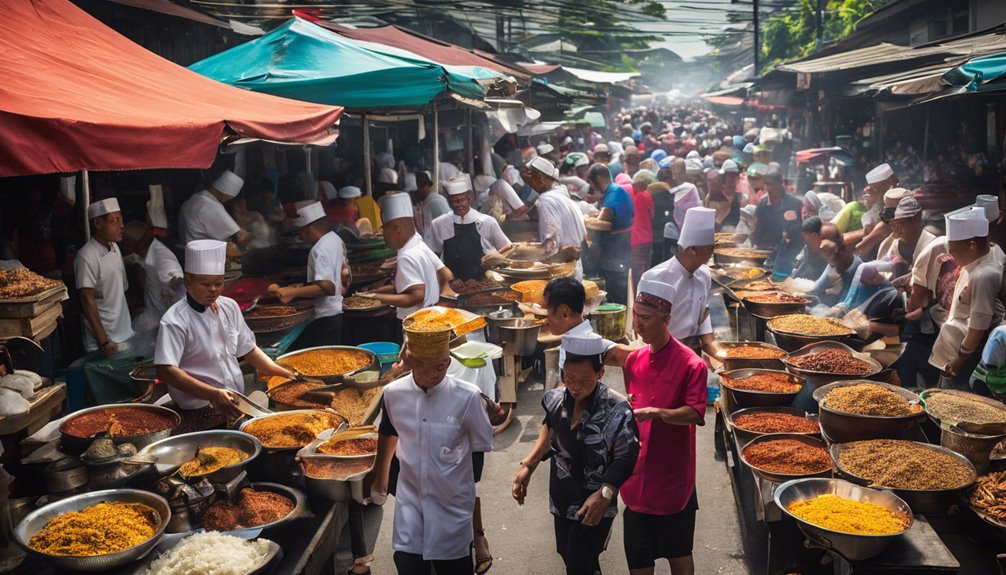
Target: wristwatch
column 607, row 492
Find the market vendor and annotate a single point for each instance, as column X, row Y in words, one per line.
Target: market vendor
column 810, row 262
column 432, row 204
column 420, row 276
column 565, row 300
column 560, row 223
column 686, row 271
column 340, row 205
column 836, row 280
column 462, row 238
column 203, row 216
column 201, row 339
column 778, row 224
column 163, row 279
column 101, row 281
column 613, row 227
column 327, row 274
column 860, row 217
column 874, row 244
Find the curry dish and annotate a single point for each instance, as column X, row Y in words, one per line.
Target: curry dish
column 287, row 430
column 327, row 362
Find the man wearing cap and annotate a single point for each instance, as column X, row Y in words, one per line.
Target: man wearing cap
column 163, row 278
column 511, row 203
column 594, row 442
column 601, row 154
column 420, row 275
column 976, row 307
column 340, row 206
column 687, row 272
column 859, row 218
column 908, row 237
column 432, row 204
column 201, row 339
column 666, row 384
column 560, row 223
column 327, row 279
column 881, row 232
column 547, row 151
column 728, row 206
column 433, row 423
column 203, row 216
column 464, row 237
column 101, row 281
column 778, row 224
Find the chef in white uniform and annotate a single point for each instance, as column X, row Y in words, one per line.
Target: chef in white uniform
column 203, row 336
column 690, row 323
column 464, row 236
column 203, row 216
column 326, row 266
column 510, row 202
column 433, row 423
column 163, row 277
column 101, row 281
column 560, row 223
column 420, row 276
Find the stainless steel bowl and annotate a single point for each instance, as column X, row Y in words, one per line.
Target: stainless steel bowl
column 749, row 398
column 36, row 520
column 337, row 377
column 166, row 546
column 270, row 450
column 852, row 546
column 341, row 490
column 519, row 336
column 842, row 427
column 719, row 275
column 740, row 363
column 172, row 452
column 745, row 436
column 757, row 261
column 819, row 346
column 769, row 310
column 75, row 444
column 295, row 495
column 780, row 477
column 794, row 341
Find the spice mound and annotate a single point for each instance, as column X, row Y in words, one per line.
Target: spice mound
column 903, row 465
column 335, row 469
column 436, row 319
column 348, row 403
column 776, row 298
column 955, row 408
column 360, row 302
column 327, row 362
column 211, row 552
column 743, row 253
column 787, row 457
column 832, row 361
column 768, row 422
column 850, row 516
column 803, row 324
column 349, row 447
column 211, row 459
column 291, row 429
column 754, row 352
column 252, row 508
column 118, row 422
column 989, row 495
column 101, row 529
column 767, row 382
column 473, row 285
column 23, row 282
column 494, row 298
column 869, row 399
column 271, row 311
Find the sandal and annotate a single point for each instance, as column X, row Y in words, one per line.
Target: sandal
column 483, row 563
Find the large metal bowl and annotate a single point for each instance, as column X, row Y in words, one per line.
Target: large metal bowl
column 780, row 477
column 36, row 520
column 758, row 261
column 770, row 310
column 842, row 427
column 519, row 336
column 963, row 394
column 270, row 450
column 744, row 436
column 172, row 452
column 337, row 377
column 852, row 546
column 295, row 495
column 790, row 341
column 719, row 275
column 740, row 363
column 819, row 346
column 75, row 444
column 749, row 398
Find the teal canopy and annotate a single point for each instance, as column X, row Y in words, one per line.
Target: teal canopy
column 980, row 74
column 303, row 61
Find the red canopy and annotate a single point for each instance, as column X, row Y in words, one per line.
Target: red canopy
column 74, row 95
column 724, row 100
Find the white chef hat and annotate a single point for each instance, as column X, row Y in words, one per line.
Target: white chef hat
column 879, row 174
column 893, row 196
column 387, row 176
column 457, row 185
column 968, row 224
column 309, row 214
column 350, row 192
column 482, row 182
column 409, row 183
column 729, row 167
column 301, row 203
column 102, row 207
column 544, row 148
column 155, row 207
column 586, row 345
column 990, row 204
column 699, row 227
column 328, row 189
column 205, row 257
column 658, row 295
column 228, row 184
column 395, row 206
column 542, row 166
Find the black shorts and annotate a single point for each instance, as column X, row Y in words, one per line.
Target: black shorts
column 580, row 546
column 650, row 537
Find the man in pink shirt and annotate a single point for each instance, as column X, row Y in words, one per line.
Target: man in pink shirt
column 666, row 383
column 642, row 226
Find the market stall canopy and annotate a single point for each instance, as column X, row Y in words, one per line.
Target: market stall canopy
column 76, row 95
column 304, row 61
column 978, row 75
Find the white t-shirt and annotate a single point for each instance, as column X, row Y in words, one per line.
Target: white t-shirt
column 559, row 219
column 690, row 308
column 204, row 344
column 325, row 263
column 417, row 264
column 204, row 218
column 102, row 270
column 160, row 267
column 442, row 229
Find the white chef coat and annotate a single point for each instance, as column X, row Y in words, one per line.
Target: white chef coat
column 417, row 264
column 509, row 198
column 204, row 344
column 890, row 246
column 442, row 229
column 160, row 267
column 690, row 308
column 102, row 270
column 203, row 217
column 430, row 208
column 559, row 219
column 325, row 263
column 581, row 329
column 511, row 175
column 437, row 432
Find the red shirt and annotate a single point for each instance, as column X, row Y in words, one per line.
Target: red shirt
column 664, row 477
column 642, row 219
column 339, row 214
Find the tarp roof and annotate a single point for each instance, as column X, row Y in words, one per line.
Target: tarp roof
column 77, row 95
column 304, row 61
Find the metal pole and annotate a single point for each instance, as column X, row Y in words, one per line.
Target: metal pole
column 471, row 147
column 756, row 49
column 820, row 24
column 366, row 156
column 436, row 148
column 925, row 138
column 86, row 186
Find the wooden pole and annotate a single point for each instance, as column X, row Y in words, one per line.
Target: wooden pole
column 471, row 147
column 436, row 148
column 366, row 156
column 86, row 185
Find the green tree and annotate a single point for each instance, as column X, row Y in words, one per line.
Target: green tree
column 791, row 33
column 601, row 29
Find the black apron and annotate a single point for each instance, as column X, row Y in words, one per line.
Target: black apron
column 463, row 253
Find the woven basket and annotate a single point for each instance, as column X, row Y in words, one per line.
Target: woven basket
column 428, row 344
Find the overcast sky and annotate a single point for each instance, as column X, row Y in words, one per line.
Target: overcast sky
column 688, row 20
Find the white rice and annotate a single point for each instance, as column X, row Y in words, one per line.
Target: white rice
column 210, row 553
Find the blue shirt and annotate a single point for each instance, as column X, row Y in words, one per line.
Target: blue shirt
column 620, row 202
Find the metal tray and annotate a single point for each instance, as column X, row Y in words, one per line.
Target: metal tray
column 822, row 345
column 780, row 477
